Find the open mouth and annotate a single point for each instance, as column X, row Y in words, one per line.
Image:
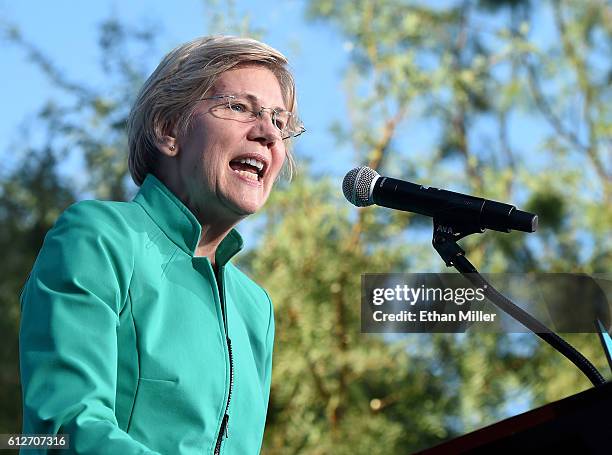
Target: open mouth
column 251, row 168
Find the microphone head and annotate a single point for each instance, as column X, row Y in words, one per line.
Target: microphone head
column 357, row 186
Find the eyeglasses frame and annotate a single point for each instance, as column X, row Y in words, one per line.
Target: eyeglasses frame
column 273, row 113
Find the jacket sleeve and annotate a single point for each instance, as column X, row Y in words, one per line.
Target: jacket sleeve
column 68, row 335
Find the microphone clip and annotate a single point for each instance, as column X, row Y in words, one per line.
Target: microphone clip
column 445, row 236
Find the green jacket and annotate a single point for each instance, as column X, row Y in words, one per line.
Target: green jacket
column 124, row 339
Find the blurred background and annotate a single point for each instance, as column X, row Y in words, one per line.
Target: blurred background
column 506, row 99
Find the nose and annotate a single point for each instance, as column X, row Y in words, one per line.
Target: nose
column 264, row 130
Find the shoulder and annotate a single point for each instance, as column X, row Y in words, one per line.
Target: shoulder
column 100, row 214
column 90, row 249
column 103, row 219
column 88, row 228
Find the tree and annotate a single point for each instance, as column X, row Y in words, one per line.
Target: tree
column 32, row 197
column 470, row 74
column 470, row 80
column 89, row 123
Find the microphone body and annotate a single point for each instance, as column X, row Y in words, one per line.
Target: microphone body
column 365, row 187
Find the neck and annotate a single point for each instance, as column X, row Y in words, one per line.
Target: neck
column 215, row 227
column 211, row 237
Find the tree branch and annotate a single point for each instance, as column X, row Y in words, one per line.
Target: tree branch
column 586, row 88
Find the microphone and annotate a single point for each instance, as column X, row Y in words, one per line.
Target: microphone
column 363, row 186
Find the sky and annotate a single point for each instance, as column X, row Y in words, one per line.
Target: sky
column 67, row 32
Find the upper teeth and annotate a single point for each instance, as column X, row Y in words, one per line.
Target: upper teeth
column 253, row 162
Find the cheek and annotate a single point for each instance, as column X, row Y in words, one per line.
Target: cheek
column 280, row 157
column 209, row 158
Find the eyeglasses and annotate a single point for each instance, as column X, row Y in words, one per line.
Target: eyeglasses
column 241, row 109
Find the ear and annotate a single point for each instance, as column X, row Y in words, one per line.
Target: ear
column 168, row 145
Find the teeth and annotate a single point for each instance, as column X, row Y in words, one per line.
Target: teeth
column 248, row 175
column 253, row 162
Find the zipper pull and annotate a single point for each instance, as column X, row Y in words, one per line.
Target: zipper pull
column 226, row 426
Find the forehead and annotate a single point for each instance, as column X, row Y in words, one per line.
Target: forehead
column 256, row 81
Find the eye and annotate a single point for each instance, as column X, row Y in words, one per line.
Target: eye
column 237, row 106
column 280, row 120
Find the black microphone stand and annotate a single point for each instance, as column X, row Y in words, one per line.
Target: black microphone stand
column 445, row 236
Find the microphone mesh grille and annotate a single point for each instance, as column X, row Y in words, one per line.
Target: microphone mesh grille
column 356, row 185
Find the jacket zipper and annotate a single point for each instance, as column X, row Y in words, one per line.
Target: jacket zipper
column 223, row 431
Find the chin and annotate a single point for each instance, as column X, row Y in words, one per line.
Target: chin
column 251, row 209
column 249, row 206
column 244, row 209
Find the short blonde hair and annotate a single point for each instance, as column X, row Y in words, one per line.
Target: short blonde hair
column 168, row 98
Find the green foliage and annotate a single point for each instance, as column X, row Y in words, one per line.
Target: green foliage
column 224, row 18
column 550, row 208
column 462, row 71
column 336, row 390
column 32, row 197
column 89, row 124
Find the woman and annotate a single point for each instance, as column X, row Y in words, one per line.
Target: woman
column 138, row 334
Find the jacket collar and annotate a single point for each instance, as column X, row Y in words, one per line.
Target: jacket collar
column 178, row 223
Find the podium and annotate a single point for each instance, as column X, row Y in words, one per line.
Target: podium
column 579, row 424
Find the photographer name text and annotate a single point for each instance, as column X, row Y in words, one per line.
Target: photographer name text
column 434, row 316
